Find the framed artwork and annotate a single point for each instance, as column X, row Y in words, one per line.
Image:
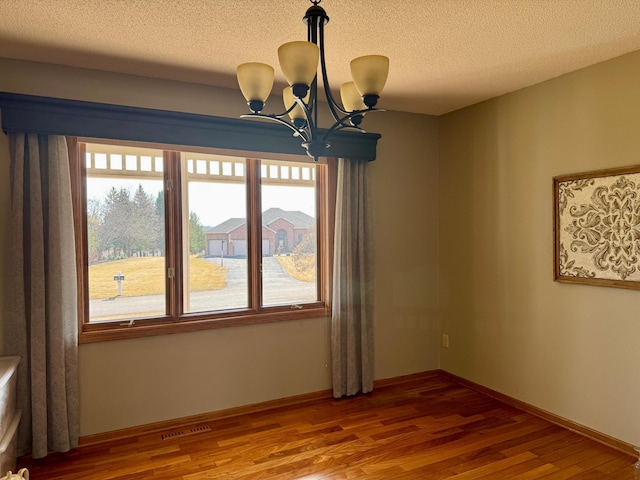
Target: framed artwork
column 597, row 228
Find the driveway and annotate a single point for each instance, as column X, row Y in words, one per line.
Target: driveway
column 278, row 288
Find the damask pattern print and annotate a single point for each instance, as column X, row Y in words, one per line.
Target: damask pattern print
column 600, row 227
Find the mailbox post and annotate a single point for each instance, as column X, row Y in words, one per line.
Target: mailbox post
column 119, row 278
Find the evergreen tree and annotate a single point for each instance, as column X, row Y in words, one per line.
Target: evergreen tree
column 159, row 223
column 123, row 225
column 143, row 222
column 197, row 238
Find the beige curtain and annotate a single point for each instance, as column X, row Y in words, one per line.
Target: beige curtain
column 352, row 315
column 41, row 317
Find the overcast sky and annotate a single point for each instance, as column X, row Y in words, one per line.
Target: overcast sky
column 215, row 203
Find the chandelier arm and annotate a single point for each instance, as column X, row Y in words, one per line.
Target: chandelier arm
column 315, row 21
column 341, row 125
column 298, row 131
column 279, row 115
column 312, row 124
column 333, row 105
column 337, row 127
column 310, row 127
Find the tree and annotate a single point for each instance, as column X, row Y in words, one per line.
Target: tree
column 114, row 232
column 159, row 228
column 197, row 238
column 143, row 222
column 121, row 225
column 304, row 253
column 95, row 212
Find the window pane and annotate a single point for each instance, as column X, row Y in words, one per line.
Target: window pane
column 288, row 236
column 216, row 273
column 125, row 233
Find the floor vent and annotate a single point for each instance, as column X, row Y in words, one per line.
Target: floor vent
column 185, row 432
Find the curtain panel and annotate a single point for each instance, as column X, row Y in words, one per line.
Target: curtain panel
column 41, row 307
column 352, row 353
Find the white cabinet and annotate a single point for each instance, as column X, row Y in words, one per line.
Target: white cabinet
column 9, row 416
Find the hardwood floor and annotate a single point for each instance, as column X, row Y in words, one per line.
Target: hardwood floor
column 426, row 427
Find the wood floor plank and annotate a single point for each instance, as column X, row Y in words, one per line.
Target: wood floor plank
column 430, row 428
column 493, row 467
column 535, row 473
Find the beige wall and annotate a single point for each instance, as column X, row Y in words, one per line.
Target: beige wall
column 139, row 381
column 570, row 349
column 404, row 182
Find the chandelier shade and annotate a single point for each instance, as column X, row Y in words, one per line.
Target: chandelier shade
column 299, row 62
column 296, row 114
column 351, row 97
column 370, row 74
column 256, row 81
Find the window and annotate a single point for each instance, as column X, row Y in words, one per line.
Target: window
column 173, row 241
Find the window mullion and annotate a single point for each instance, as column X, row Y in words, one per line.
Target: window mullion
column 173, row 237
column 254, row 233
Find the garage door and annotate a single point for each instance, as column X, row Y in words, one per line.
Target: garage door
column 215, row 248
column 239, row 248
column 265, row 247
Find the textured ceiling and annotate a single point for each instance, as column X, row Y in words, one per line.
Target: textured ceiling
column 445, row 54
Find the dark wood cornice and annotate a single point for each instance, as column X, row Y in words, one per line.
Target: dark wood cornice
column 55, row 116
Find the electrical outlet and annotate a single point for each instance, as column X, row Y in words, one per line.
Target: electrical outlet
column 445, row 340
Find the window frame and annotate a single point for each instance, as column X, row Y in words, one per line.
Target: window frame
column 175, row 321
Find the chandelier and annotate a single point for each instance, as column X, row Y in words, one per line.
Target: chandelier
column 299, row 64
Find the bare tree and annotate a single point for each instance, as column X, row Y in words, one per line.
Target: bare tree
column 114, row 232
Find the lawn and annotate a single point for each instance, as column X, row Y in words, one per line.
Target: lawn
column 146, row 276
column 300, row 267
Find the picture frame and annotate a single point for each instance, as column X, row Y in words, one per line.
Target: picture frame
column 597, row 228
